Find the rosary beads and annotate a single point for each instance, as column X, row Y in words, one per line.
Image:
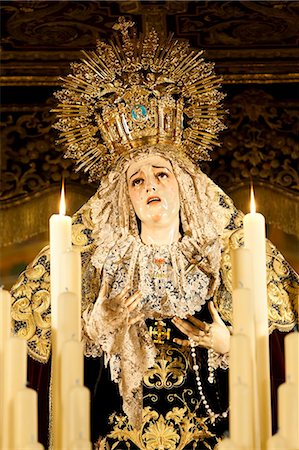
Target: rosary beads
column 213, row 416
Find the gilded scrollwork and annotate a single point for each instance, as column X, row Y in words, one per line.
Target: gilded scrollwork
column 179, row 429
column 227, row 24
column 169, row 370
column 31, row 160
column 261, row 143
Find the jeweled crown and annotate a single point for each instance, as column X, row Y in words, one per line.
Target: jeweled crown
column 136, row 92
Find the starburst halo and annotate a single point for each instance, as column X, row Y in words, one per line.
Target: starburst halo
column 135, row 92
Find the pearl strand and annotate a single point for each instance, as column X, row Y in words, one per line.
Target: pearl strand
column 213, row 416
column 211, row 377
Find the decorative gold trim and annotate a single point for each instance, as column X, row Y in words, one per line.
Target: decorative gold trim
column 244, row 78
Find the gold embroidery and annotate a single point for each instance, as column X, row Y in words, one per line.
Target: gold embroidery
column 169, row 370
column 177, row 430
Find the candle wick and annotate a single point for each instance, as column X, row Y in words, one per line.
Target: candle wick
column 66, row 289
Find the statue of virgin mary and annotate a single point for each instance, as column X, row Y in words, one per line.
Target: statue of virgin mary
column 155, row 240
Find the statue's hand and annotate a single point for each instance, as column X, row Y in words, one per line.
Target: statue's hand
column 215, row 335
column 123, row 303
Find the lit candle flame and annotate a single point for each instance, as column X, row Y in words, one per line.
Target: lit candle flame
column 252, row 201
column 62, row 207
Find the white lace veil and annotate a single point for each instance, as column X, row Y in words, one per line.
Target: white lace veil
column 130, row 350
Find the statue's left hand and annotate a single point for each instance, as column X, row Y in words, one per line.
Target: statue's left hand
column 215, row 335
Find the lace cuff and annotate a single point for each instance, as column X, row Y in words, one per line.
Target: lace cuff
column 217, row 360
column 128, row 349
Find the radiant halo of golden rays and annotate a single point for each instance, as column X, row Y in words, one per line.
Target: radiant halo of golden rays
column 134, row 92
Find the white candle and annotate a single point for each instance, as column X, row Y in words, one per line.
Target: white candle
column 15, row 378
column 80, row 445
column 34, row 446
column 243, row 315
column 227, row 444
column 241, row 268
column 288, row 413
column 241, row 392
column 60, row 242
column 239, row 363
column 243, row 323
column 241, row 416
column 69, row 317
column 71, row 275
column 79, row 414
column 25, row 421
column 72, row 373
column 5, row 319
column 291, row 343
column 277, row 442
column 5, row 323
column 255, row 241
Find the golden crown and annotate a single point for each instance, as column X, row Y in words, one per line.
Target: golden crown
column 131, row 93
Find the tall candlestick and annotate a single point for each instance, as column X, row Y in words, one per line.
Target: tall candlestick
column 255, row 241
column 291, row 343
column 81, row 445
column 69, row 317
column 25, row 422
column 5, row 302
column 60, row 242
column 71, row 375
column 227, row 444
column 15, row 379
column 241, row 416
column 277, row 442
column 243, row 323
column 79, row 414
column 241, row 393
column 34, row 446
column 71, row 278
column 241, row 268
column 288, row 413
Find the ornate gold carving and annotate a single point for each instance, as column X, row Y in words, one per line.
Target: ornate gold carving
column 169, row 370
column 261, row 143
column 31, row 161
column 240, row 23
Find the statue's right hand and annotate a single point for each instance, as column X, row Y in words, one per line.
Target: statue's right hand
column 124, row 300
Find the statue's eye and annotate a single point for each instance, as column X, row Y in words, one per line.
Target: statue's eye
column 137, row 182
column 162, row 175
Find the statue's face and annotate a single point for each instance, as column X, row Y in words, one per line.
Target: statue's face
column 154, row 191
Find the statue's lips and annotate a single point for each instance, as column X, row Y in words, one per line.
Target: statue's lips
column 153, row 200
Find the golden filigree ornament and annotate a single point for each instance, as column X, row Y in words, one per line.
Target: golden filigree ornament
column 135, row 92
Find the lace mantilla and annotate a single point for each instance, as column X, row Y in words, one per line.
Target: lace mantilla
column 170, row 284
